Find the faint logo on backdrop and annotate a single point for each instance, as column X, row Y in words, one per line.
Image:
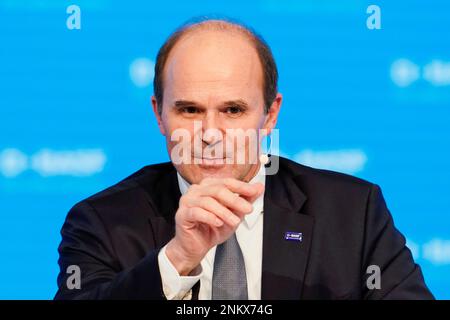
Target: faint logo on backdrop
column 350, row 161
column 437, row 72
column 13, row 162
column 436, row 251
column 47, row 162
column 142, row 72
column 404, row 72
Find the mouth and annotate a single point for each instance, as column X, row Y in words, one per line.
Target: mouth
column 210, row 163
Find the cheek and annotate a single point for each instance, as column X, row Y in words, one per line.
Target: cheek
column 179, row 138
column 172, row 125
column 250, row 122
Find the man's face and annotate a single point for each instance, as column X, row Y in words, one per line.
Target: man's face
column 214, row 79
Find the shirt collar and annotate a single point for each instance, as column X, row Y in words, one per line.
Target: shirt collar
column 258, row 204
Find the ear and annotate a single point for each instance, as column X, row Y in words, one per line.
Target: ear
column 272, row 114
column 158, row 116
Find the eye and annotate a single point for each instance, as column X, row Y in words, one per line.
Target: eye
column 189, row 109
column 234, row 110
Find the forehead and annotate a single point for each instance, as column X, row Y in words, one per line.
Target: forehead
column 210, row 64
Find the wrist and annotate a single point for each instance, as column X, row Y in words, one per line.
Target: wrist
column 183, row 263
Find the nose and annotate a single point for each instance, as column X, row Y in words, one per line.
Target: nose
column 212, row 131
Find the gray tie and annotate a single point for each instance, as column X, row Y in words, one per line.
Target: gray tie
column 229, row 279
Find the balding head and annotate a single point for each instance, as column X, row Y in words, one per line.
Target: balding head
column 217, row 30
column 219, row 75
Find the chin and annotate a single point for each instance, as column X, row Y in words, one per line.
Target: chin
column 223, row 171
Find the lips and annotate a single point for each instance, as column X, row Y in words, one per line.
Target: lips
column 210, row 162
column 213, row 161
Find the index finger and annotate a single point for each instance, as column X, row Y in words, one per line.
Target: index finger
column 245, row 189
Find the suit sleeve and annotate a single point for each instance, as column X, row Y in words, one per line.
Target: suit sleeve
column 86, row 244
column 385, row 247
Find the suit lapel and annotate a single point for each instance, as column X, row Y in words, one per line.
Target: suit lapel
column 163, row 197
column 284, row 261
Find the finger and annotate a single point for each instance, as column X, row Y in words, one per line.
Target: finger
column 212, row 205
column 245, row 189
column 211, row 181
column 228, row 199
column 259, row 191
column 197, row 214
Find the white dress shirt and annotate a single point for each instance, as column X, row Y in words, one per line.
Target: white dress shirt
column 249, row 235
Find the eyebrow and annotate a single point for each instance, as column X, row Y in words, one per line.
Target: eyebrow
column 231, row 103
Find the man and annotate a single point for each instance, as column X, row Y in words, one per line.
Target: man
column 211, row 227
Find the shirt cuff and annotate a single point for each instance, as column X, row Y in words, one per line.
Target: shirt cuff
column 176, row 287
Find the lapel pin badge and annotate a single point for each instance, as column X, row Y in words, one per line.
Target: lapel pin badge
column 293, row 236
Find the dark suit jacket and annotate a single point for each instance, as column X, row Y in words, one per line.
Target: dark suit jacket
column 115, row 236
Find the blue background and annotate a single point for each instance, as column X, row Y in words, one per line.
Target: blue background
column 75, row 113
